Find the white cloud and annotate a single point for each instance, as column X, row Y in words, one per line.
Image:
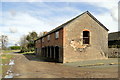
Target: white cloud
column 114, row 13
column 111, row 5
column 24, row 22
column 107, row 20
column 1, row 33
column 106, row 4
column 13, row 29
column 13, row 39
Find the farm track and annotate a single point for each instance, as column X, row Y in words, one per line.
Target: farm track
column 28, row 66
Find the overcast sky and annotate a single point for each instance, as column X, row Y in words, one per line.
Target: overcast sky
column 19, row 18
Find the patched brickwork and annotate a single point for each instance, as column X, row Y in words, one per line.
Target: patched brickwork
column 75, row 50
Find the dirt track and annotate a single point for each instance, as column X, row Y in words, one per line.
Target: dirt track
column 29, row 67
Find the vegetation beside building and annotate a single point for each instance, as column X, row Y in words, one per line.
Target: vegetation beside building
column 114, row 44
column 15, row 47
column 27, row 42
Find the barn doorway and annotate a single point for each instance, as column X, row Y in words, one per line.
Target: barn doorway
column 42, row 52
column 57, row 53
column 45, row 51
column 52, row 52
column 48, row 52
column 86, row 37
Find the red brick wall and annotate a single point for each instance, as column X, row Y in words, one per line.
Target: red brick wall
column 38, row 43
column 53, row 41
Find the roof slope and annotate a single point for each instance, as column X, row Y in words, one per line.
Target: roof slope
column 61, row 26
column 114, row 36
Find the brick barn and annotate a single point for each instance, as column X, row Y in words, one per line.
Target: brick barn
column 81, row 38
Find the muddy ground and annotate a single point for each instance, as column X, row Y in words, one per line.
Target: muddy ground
column 28, row 66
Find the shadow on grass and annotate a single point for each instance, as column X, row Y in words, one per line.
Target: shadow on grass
column 17, row 52
column 27, row 53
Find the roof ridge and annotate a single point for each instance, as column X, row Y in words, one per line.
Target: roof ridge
column 62, row 25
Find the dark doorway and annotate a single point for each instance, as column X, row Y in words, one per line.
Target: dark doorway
column 48, row 52
column 45, row 51
column 57, row 53
column 86, row 37
column 52, row 52
column 42, row 52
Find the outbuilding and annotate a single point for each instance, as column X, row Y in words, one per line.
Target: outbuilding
column 81, row 38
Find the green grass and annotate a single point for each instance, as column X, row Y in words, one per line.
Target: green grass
column 16, row 51
column 10, row 51
column 5, row 60
column 0, row 66
column 7, row 56
column 26, row 52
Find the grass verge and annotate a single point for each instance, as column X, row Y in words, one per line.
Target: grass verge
column 31, row 52
column 5, row 60
column 10, row 51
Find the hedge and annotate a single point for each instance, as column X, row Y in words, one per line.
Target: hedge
column 15, row 47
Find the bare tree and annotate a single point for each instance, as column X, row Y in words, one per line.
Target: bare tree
column 23, row 41
column 4, row 41
column 42, row 33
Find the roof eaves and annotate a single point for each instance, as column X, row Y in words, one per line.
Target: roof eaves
column 61, row 26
